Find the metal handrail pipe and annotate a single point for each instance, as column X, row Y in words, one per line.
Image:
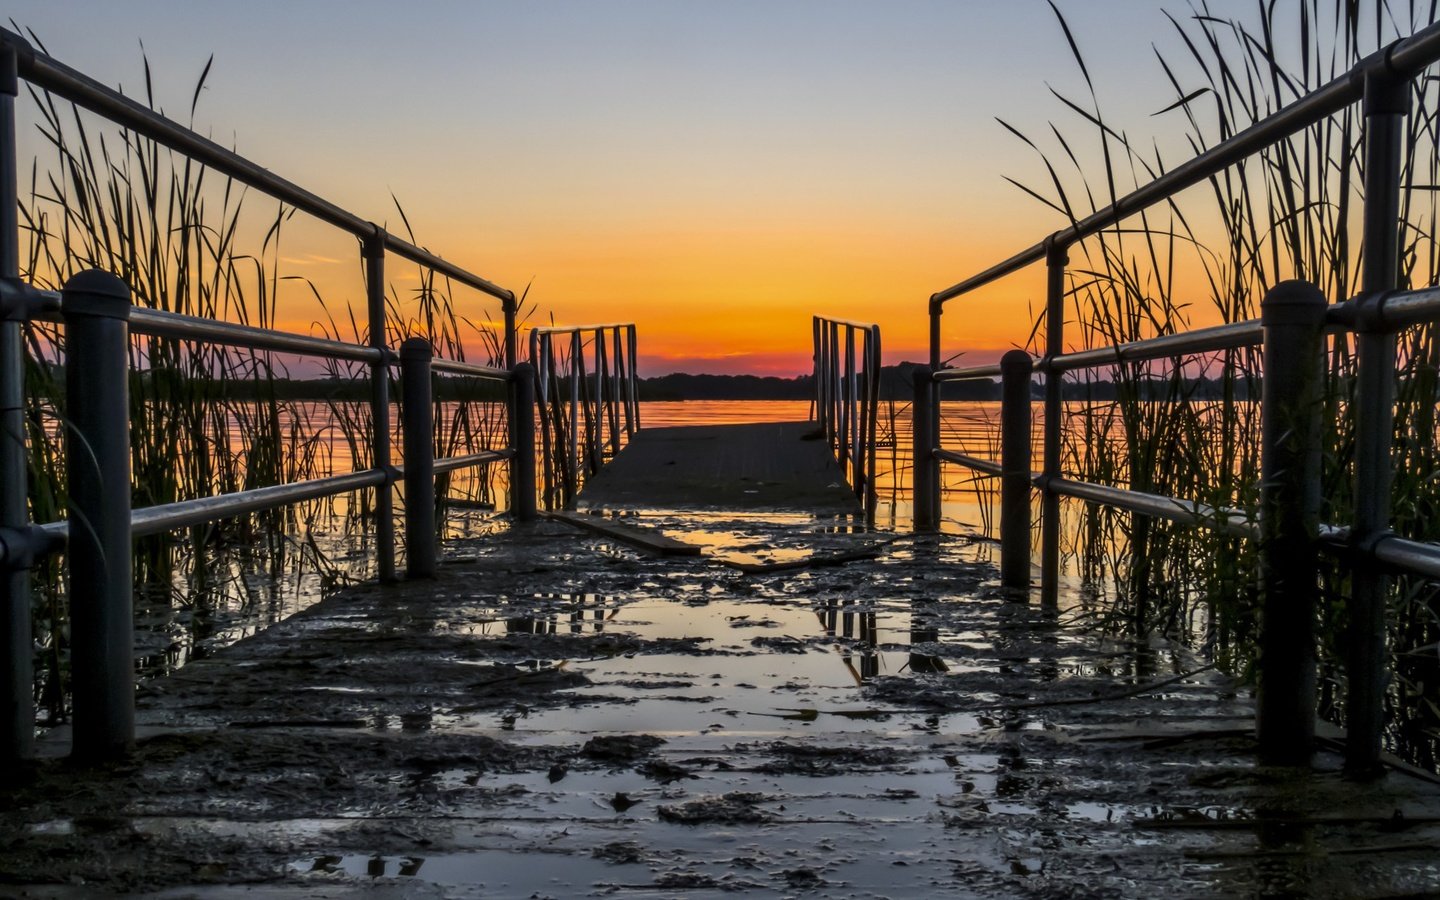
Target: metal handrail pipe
column 848, row 323
column 1408, row 556
column 185, row 513
column 970, row 462
column 470, row 460
column 571, row 329
column 1185, row 512
column 160, row 323
column 967, row 374
column 1389, row 311
column 1248, row 333
column 54, row 76
column 459, row 367
column 1404, row 58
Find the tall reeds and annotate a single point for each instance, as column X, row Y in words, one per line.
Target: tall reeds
column 206, row 419
column 1189, row 429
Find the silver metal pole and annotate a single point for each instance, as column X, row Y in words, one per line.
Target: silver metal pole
column 522, row 464
column 577, row 371
column 1056, row 260
column 1015, row 439
column 847, row 444
column 17, row 671
column 924, row 480
column 96, row 306
column 417, row 430
column 1387, row 102
column 374, row 251
column 1291, row 422
column 634, row 374
column 872, row 371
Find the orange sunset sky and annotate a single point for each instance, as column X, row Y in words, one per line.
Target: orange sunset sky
column 716, row 172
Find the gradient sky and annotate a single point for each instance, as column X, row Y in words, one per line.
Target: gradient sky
column 714, row 171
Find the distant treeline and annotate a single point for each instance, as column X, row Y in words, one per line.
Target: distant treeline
column 896, row 383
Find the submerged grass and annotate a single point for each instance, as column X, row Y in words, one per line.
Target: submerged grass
column 1289, row 212
column 207, row 419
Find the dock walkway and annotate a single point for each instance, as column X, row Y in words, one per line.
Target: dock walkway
column 772, row 466
column 559, row 716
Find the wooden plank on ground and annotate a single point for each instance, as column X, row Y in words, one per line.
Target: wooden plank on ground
column 644, row 538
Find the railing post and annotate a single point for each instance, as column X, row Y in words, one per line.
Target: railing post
column 1386, row 104
column 602, row 380
column 17, row 668
column 634, row 394
column 96, row 306
column 1056, row 258
column 624, row 372
column 509, row 307
column 873, row 362
column 847, row 441
column 1015, row 439
column 522, row 429
column 374, row 252
column 937, row 309
column 417, row 432
column 925, row 483
column 1293, row 313
column 815, row 367
column 577, row 375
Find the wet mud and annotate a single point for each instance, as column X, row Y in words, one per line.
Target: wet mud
column 557, row 715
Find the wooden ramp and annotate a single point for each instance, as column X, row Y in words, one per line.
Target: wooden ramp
column 767, row 467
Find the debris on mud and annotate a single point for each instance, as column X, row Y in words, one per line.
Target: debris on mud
column 792, row 758
column 620, row 852
column 664, row 772
column 557, row 714
column 734, row 808
column 621, row 749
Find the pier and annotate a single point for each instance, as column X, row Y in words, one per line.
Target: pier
column 559, row 714
column 774, row 466
column 682, row 660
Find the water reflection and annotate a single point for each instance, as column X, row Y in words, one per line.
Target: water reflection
column 374, row 866
column 857, row 626
column 921, row 633
column 586, row 614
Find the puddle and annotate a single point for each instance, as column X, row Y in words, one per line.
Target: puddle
column 490, row 870
column 564, row 717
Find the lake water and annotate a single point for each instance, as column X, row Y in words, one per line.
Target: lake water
column 216, row 598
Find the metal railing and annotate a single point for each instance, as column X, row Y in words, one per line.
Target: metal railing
column 1290, row 324
column 603, row 408
column 95, row 310
column 847, row 399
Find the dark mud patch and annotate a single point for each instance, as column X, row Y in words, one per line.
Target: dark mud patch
column 783, row 643
column 621, row 749
column 620, row 852
column 499, row 730
column 734, row 808
column 813, row 759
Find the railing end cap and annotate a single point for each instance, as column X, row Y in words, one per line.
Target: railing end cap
column 416, row 348
column 96, row 292
column 1289, row 298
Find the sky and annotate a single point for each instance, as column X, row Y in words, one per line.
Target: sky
column 716, row 172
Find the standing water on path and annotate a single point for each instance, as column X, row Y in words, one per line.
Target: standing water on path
column 558, row 715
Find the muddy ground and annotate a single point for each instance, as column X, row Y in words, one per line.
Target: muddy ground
column 558, row 715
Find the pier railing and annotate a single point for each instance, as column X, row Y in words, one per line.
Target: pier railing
column 95, row 311
column 847, row 398
column 1294, row 317
column 588, row 410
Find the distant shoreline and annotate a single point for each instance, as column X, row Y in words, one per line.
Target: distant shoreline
column 896, row 384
